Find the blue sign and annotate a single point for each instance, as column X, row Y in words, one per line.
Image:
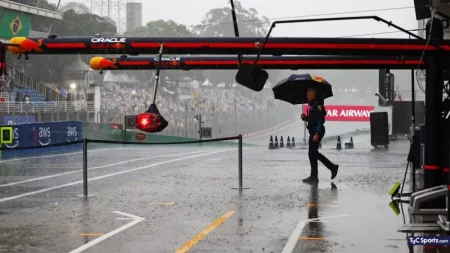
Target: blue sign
column 18, row 120
column 428, row 240
column 41, row 135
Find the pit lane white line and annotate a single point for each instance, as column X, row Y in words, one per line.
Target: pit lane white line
column 57, row 155
column 135, row 221
column 95, row 168
column 109, row 175
column 293, row 240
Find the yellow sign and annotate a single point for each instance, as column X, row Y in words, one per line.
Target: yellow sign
column 6, row 132
column 16, row 26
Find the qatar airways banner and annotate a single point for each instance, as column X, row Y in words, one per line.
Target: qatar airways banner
column 346, row 112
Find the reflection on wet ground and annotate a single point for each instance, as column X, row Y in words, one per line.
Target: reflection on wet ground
column 174, row 199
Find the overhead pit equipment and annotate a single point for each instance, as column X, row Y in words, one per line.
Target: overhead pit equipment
column 225, row 46
column 266, row 62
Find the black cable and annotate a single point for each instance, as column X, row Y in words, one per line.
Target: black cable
column 163, row 143
column 379, row 33
column 404, row 177
column 433, row 12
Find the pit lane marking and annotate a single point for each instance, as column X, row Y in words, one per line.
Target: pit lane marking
column 88, row 234
column 205, row 232
column 65, row 154
column 98, row 167
column 312, row 238
column 136, row 220
column 110, row 175
column 293, row 239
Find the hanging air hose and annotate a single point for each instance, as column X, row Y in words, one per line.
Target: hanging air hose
column 152, row 121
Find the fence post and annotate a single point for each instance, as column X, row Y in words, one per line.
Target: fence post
column 85, row 171
column 240, row 188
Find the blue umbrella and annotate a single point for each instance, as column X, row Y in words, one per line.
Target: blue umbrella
column 293, row 89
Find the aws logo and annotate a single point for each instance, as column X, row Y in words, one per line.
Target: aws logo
column 72, row 134
column 44, row 136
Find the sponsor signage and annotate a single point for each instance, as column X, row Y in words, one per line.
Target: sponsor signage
column 140, row 136
column 346, row 112
column 18, row 120
column 108, row 40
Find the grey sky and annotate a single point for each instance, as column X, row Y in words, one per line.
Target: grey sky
column 191, row 12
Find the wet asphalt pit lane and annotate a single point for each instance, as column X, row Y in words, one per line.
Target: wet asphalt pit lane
column 200, row 188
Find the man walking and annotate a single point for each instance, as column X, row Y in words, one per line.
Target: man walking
column 316, row 128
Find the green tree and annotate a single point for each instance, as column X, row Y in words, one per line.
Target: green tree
column 50, row 68
column 219, row 23
column 161, row 28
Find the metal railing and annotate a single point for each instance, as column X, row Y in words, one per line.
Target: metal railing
column 39, row 4
column 46, row 107
column 25, row 80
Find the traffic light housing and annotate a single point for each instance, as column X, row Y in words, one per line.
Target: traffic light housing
column 151, row 121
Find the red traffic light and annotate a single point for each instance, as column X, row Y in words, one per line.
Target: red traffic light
column 150, row 122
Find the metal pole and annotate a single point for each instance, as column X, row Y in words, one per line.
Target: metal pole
column 85, row 165
column 240, row 163
column 85, row 171
column 413, row 101
column 413, row 124
column 200, row 126
column 125, row 128
column 240, row 188
column 185, row 121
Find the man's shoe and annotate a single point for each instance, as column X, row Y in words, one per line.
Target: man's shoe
column 310, row 180
column 334, row 171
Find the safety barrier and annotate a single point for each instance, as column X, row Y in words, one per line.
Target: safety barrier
column 34, row 136
column 62, row 137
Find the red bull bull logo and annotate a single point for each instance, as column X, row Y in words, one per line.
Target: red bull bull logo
column 22, row 45
column 318, row 79
column 100, row 63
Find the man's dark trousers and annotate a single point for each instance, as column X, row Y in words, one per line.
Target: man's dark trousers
column 314, row 155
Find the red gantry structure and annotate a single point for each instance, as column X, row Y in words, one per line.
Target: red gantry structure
column 226, row 46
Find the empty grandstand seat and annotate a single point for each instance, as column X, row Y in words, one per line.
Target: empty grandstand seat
column 34, row 96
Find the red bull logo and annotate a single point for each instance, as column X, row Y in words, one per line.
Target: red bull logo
column 100, row 63
column 318, row 79
column 22, row 45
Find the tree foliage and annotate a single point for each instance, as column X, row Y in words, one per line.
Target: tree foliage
column 219, row 22
column 50, row 68
column 77, row 21
column 161, row 28
column 78, row 8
